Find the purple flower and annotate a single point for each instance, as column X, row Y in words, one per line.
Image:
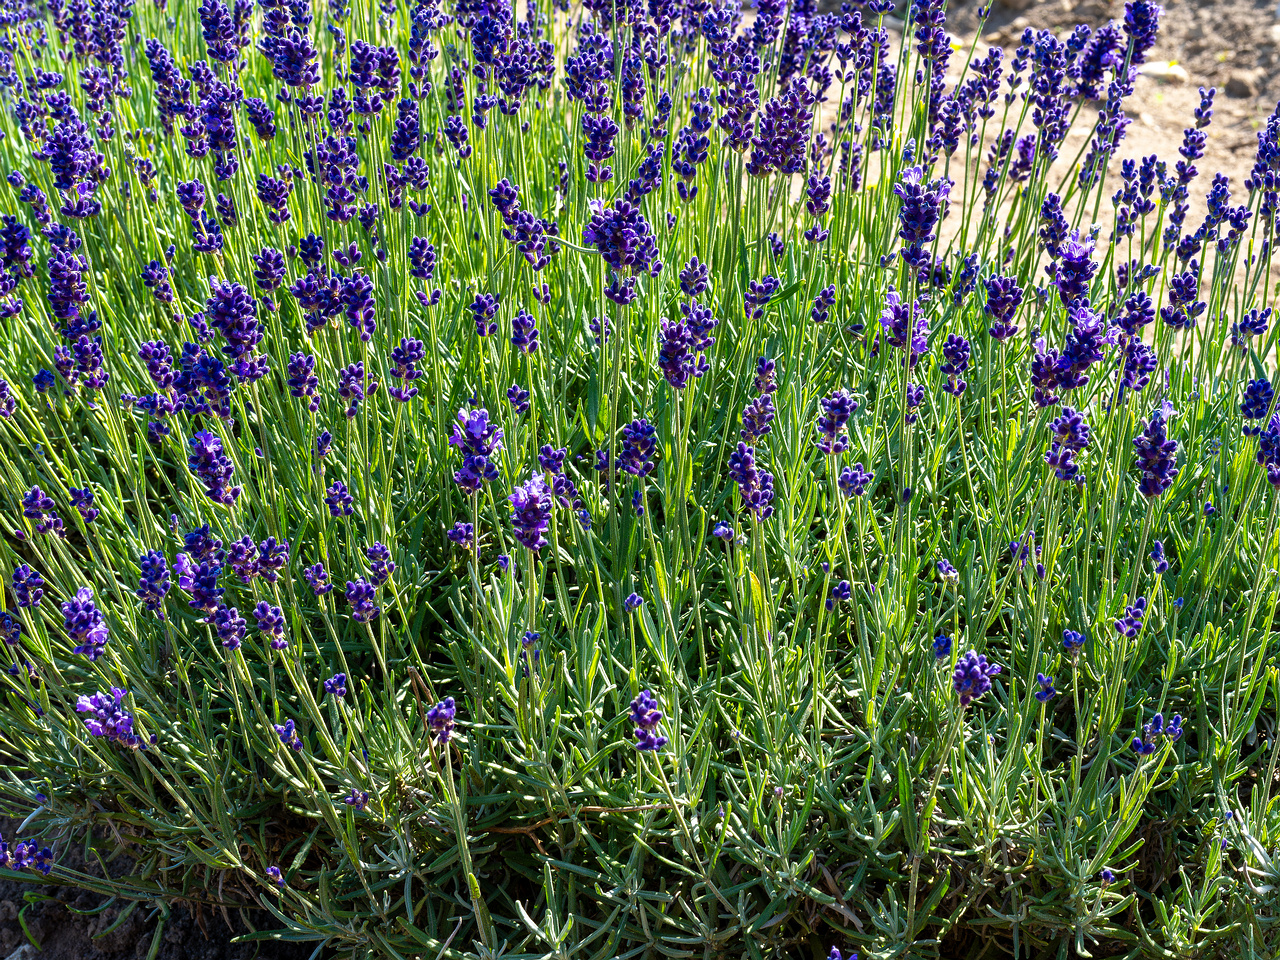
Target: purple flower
column 1183, row 309
column 28, row 586
column 156, row 277
column 154, row 582
column 836, row 411
column 1140, row 361
column 524, row 332
column 914, row 398
column 1072, row 642
column 972, row 677
column 839, row 592
column 1084, row 347
column 84, row 624
column 1046, row 691
column 1004, row 297
column 107, row 718
column 212, row 467
column 1070, row 436
column 693, row 278
column 440, row 720
column 10, row 629
column 678, row 356
column 941, row 646
column 518, row 397
column 229, row 626
column 36, row 505
column 757, row 418
column 633, row 602
column 318, row 578
column 380, row 563
column 645, row 717
column 234, row 314
column 1153, row 731
column 758, row 295
column 302, row 380
column 339, row 500
column 947, row 571
column 422, row 258
column 272, row 558
column 905, row 327
column 1075, row 269
column 955, row 355
column 1258, row 395
column 403, row 367
column 1159, row 560
column 921, row 207
column 358, row 300
column 754, row 485
column 1254, row 323
column 1155, row 458
column 1131, row 623
column 288, row 737
column 360, row 595
column 271, row 623
column 201, row 581
column 352, row 386
column 623, row 237
column 357, row 800
column 531, row 512
column 1141, row 22
column 636, row 450
column 268, row 269
column 478, row 439
column 853, row 480
column 822, row 304
column 336, row 685
column 484, row 308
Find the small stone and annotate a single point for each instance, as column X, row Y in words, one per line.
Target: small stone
column 1147, row 120
column 1165, row 72
column 1245, row 83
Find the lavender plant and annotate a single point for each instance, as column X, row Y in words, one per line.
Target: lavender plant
column 515, row 481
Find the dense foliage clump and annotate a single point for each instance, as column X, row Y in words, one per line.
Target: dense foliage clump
column 635, row 480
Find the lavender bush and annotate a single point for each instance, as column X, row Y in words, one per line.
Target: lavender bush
column 635, row 480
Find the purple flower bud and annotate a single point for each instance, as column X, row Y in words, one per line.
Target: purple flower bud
column 645, row 717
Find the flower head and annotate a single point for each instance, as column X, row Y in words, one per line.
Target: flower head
column 531, row 512
column 1046, row 691
column 440, row 720
column 972, row 677
column 84, row 624
column 288, row 737
column 1155, row 458
column 336, row 685
column 645, row 718
column 107, row 718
